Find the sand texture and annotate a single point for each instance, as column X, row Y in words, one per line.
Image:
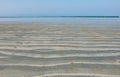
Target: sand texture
column 59, row 50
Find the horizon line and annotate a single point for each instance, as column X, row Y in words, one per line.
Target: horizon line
column 59, row 16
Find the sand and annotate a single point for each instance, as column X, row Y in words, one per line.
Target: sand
column 59, row 50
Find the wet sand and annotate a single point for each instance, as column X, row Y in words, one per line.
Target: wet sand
column 59, row 50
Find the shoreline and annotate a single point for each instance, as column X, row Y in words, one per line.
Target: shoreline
column 64, row 25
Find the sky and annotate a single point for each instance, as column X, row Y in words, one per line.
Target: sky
column 59, row 7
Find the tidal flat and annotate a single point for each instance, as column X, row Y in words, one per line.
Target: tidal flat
column 59, row 50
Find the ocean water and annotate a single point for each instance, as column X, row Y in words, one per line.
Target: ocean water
column 61, row 19
column 60, row 47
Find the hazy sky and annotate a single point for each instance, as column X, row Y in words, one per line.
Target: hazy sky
column 59, row 7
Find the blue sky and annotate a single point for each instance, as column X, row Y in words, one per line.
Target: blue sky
column 59, row 7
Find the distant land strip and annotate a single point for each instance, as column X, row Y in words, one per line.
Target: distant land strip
column 59, row 16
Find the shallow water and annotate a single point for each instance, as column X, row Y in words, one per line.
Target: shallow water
column 59, row 50
column 62, row 19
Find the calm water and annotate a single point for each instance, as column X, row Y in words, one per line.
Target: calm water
column 63, row 19
column 35, row 50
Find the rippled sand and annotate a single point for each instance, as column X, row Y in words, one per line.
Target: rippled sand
column 59, row 50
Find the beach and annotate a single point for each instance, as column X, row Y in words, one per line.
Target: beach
column 59, row 50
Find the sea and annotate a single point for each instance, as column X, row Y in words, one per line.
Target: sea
column 63, row 50
column 63, row 19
